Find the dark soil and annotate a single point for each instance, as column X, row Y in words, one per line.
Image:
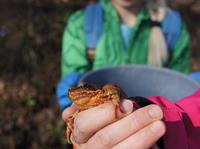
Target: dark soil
column 30, row 41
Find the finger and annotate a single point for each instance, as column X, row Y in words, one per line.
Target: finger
column 69, row 112
column 89, row 121
column 125, row 108
column 144, row 138
column 122, row 129
column 155, row 147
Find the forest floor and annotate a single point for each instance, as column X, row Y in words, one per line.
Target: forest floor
column 30, row 39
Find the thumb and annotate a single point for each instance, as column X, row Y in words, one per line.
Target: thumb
column 68, row 112
column 125, row 108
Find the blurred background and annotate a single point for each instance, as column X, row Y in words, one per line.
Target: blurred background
column 30, row 43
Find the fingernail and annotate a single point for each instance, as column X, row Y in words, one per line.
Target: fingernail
column 126, row 106
column 157, row 127
column 155, row 112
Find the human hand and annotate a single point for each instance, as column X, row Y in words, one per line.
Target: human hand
column 98, row 128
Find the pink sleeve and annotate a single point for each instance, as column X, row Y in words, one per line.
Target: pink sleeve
column 182, row 121
column 191, row 106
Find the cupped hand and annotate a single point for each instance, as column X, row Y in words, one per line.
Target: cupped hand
column 100, row 128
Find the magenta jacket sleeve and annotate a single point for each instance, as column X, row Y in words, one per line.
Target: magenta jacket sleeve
column 182, row 121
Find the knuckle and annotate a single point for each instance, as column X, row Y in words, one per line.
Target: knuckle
column 136, row 119
column 103, row 139
column 80, row 128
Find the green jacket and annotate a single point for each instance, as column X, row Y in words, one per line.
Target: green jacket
column 110, row 49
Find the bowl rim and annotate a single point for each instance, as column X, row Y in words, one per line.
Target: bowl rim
column 159, row 69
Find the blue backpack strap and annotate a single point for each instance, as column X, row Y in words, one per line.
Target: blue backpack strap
column 63, row 87
column 93, row 24
column 171, row 27
column 195, row 76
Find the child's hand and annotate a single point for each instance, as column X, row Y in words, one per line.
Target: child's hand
column 98, row 128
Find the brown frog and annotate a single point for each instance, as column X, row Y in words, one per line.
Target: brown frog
column 88, row 96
